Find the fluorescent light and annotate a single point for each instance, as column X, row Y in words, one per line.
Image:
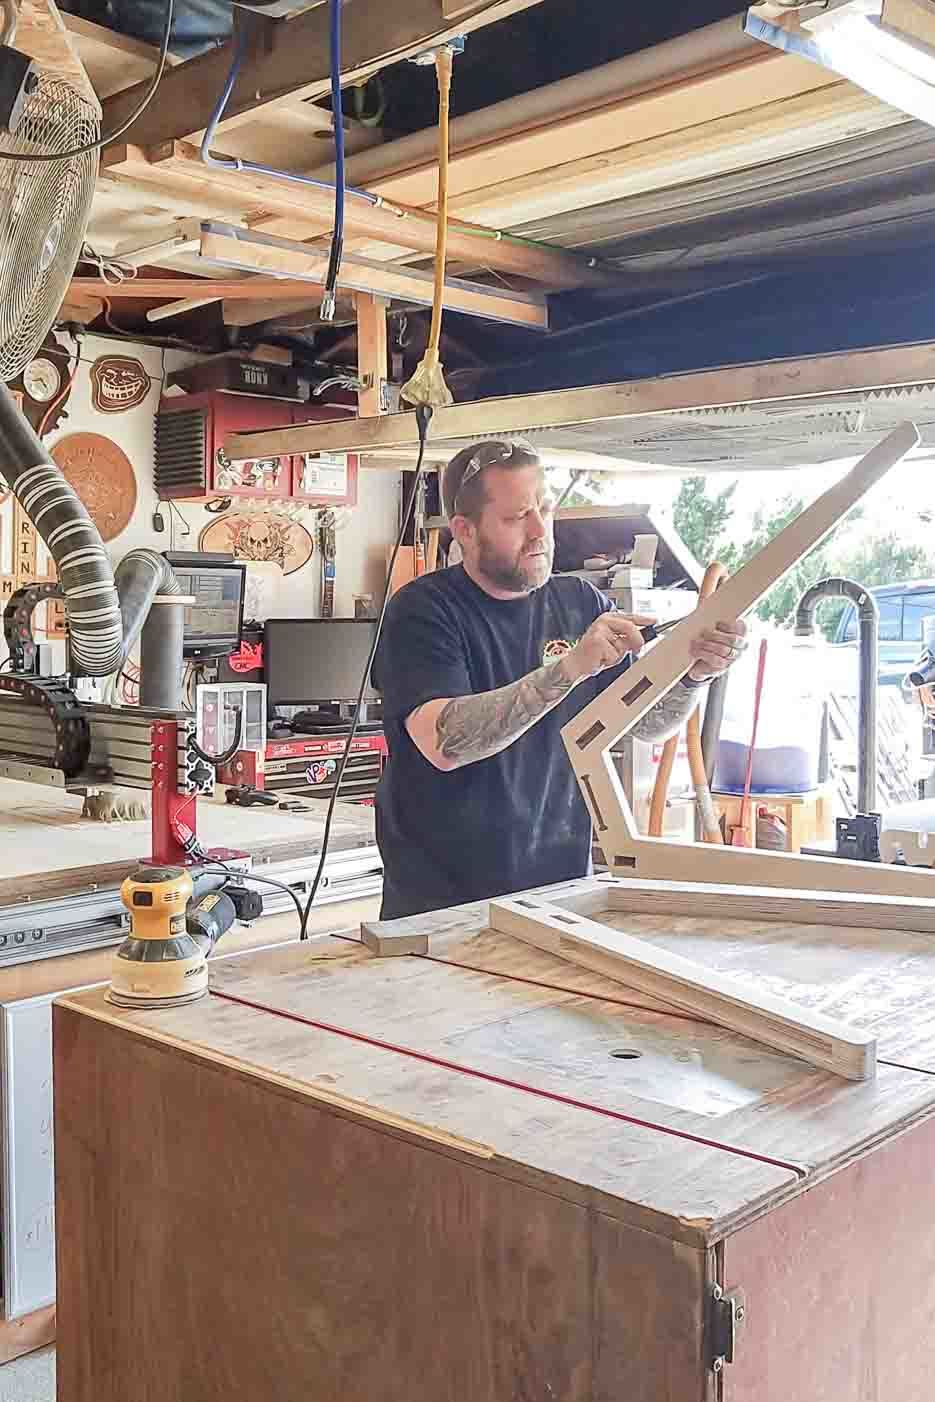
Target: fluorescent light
column 853, row 41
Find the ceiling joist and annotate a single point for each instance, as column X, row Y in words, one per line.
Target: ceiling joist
column 289, row 60
column 284, row 208
column 773, row 381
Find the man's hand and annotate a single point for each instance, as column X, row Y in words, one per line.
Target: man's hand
column 607, row 642
column 717, row 649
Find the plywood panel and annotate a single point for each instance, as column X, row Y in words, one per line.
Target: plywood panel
column 345, row 1266
column 840, row 1286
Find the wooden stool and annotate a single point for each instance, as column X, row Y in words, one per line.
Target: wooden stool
column 807, row 816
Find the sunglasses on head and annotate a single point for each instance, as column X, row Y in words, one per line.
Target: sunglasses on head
column 487, row 455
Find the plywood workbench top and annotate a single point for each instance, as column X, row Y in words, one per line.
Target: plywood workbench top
column 692, row 1133
column 49, row 850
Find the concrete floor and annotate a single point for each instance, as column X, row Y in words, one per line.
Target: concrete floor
column 29, row 1379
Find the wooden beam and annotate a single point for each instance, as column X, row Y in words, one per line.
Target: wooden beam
column 386, row 280
column 357, row 274
column 290, row 61
column 112, row 61
column 775, row 381
column 207, row 288
column 712, row 996
column 372, row 365
column 302, row 310
column 630, row 102
column 590, row 737
column 177, row 166
column 42, row 35
column 840, row 908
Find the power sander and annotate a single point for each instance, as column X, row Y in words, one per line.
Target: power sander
column 164, row 959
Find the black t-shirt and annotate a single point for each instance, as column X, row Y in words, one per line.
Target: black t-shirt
column 503, row 824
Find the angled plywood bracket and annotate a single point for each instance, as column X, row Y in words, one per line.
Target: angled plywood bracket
column 593, row 733
column 714, row 997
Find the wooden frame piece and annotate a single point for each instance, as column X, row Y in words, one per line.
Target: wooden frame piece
column 590, row 737
column 841, row 908
column 823, row 1042
column 773, row 381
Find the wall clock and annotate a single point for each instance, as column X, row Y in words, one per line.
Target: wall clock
column 42, row 379
column 102, row 475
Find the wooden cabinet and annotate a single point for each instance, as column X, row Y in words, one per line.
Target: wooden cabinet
column 398, row 1179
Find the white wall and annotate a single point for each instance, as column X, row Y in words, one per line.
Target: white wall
column 365, row 535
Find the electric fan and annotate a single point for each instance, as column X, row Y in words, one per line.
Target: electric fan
column 44, row 204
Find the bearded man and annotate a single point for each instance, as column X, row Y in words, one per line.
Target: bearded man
column 480, row 665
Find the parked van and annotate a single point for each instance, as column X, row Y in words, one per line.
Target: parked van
column 902, row 609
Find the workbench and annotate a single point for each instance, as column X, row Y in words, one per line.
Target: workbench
column 489, row 1175
column 60, row 875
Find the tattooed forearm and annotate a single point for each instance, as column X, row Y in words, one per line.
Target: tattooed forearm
column 669, row 714
column 470, row 728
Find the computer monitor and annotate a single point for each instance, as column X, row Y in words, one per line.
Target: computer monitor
column 310, row 661
column 214, row 621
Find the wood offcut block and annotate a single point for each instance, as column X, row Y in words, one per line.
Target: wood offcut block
column 381, row 939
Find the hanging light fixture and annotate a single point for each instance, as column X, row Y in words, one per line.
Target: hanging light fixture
column 886, row 47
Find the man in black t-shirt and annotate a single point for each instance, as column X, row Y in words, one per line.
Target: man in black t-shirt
column 480, row 665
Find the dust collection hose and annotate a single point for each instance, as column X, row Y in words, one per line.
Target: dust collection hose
column 868, row 619
column 710, row 828
column 105, row 615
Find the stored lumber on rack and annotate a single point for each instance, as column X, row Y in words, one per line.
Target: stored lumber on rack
column 713, row 996
column 841, row 908
column 756, row 134
column 290, row 61
column 177, row 166
column 308, row 269
column 776, row 380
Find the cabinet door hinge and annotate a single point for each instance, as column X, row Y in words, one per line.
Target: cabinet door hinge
column 726, row 1313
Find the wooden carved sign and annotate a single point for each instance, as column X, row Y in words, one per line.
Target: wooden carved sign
column 260, row 535
column 118, row 383
column 102, row 475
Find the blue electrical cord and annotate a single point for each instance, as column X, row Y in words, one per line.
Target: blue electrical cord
column 337, row 117
column 253, row 167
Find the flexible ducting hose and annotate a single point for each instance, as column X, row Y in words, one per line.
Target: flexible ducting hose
column 105, row 616
column 73, row 540
column 139, row 577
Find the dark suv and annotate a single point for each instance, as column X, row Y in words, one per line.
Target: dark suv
column 902, row 609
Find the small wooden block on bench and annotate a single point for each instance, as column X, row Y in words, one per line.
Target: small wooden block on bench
column 382, row 939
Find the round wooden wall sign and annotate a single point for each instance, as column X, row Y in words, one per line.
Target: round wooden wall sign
column 260, row 535
column 102, row 475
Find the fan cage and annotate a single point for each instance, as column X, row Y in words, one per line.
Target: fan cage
column 44, row 212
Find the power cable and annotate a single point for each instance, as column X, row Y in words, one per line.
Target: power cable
column 337, row 115
column 423, row 419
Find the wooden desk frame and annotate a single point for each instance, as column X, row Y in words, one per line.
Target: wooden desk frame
column 593, row 733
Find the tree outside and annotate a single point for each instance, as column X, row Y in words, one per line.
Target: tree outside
column 703, row 521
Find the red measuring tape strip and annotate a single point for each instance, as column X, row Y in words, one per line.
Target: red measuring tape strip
column 491, row 1079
